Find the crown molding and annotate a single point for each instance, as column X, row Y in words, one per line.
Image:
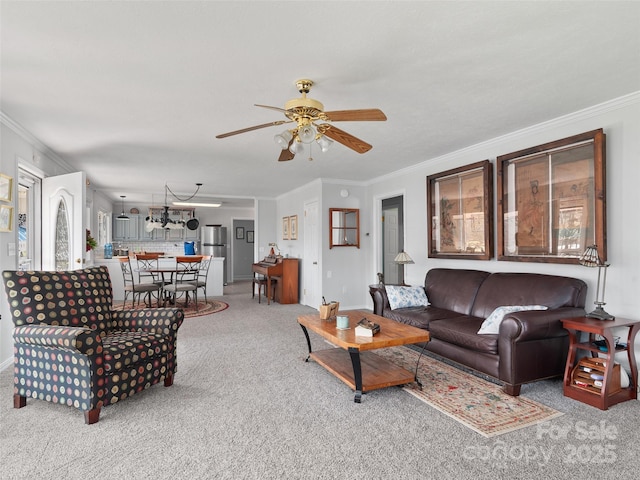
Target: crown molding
column 35, row 142
column 584, row 114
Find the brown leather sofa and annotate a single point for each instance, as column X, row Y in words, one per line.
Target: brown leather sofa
column 530, row 346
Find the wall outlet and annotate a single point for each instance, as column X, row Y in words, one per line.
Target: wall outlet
column 344, row 289
column 328, row 273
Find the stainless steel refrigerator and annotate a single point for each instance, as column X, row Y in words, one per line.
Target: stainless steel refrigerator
column 214, row 242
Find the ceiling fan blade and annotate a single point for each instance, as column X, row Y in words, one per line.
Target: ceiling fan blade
column 369, row 114
column 286, row 154
column 278, row 109
column 346, row 139
column 256, row 127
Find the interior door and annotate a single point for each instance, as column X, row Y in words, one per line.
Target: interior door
column 391, row 247
column 63, row 221
column 311, row 262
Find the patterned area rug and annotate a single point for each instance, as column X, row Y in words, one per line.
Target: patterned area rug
column 476, row 403
column 204, row 308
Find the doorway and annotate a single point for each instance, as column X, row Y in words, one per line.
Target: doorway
column 392, row 239
column 311, row 258
column 29, row 197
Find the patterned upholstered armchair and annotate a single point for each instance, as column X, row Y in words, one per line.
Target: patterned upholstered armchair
column 70, row 347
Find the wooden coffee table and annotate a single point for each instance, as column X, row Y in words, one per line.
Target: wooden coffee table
column 351, row 361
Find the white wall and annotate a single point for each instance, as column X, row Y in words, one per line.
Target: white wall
column 620, row 120
column 18, row 147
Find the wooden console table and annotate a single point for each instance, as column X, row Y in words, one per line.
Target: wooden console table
column 607, row 393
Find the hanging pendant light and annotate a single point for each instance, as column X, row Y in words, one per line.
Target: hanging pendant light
column 122, row 216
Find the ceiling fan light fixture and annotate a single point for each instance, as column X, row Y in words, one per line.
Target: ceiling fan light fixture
column 283, row 139
column 325, row 143
column 307, row 133
column 296, row 147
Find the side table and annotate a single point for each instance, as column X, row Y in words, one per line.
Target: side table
column 607, row 393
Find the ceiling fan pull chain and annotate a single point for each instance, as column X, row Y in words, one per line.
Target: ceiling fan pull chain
column 310, row 157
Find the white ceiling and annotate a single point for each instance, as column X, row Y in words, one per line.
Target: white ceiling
column 134, row 93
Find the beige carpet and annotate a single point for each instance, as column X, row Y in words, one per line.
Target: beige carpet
column 480, row 405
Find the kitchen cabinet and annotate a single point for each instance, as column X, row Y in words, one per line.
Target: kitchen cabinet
column 126, row 229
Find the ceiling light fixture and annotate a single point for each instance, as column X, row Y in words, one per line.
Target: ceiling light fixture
column 122, row 216
column 198, row 204
column 293, row 139
column 165, row 221
column 296, row 147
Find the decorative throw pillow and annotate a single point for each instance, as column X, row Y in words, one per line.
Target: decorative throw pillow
column 402, row 297
column 492, row 323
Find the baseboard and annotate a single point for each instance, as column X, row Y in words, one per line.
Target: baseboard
column 6, row 364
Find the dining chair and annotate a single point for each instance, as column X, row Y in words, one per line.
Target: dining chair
column 185, row 278
column 148, row 271
column 136, row 289
column 203, row 272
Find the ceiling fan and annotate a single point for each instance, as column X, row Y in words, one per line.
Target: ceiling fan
column 306, row 113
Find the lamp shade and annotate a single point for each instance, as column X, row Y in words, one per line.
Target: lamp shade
column 325, row 143
column 402, row 258
column 307, row 133
column 122, row 216
column 296, row 148
column 590, row 257
column 283, row 139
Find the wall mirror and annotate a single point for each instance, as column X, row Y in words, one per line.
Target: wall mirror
column 344, row 227
column 551, row 200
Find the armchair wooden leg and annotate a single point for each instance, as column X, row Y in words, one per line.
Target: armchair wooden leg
column 168, row 380
column 19, row 401
column 92, row 416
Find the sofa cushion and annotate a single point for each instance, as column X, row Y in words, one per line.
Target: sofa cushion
column 453, row 289
column 491, row 325
column 462, row 331
column 527, row 289
column 419, row 317
column 404, row 296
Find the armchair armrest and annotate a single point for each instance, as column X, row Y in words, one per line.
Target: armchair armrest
column 536, row 324
column 72, row 339
column 156, row 320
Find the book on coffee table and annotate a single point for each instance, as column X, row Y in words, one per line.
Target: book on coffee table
column 366, row 328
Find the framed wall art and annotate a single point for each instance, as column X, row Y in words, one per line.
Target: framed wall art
column 6, row 187
column 460, row 212
column 249, row 236
column 285, row 228
column 6, row 218
column 293, row 227
column 551, row 200
column 239, row 233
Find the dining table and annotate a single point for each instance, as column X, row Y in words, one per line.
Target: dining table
column 162, row 271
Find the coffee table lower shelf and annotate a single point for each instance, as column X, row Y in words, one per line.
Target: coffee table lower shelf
column 377, row 372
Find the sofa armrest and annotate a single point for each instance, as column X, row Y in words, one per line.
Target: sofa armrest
column 536, row 324
column 72, row 339
column 165, row 321
column 380, row 300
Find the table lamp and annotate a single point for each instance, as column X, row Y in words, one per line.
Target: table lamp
column 403, row 259
column 590, row 258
